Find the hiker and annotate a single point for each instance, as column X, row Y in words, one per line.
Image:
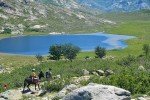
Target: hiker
column 48, row 74
column 33, row 75
column 41, row 74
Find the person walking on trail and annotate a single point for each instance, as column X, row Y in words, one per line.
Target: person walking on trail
column 41, row 74
column 33, row 75
column 48, row 74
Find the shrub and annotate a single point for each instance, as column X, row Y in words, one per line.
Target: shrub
column 70, row 51
column 7, row 31
column 100, row 52
column 39, row 57
column 55, row 52
column 126, row 61
column 56, row 85
column 146, row 49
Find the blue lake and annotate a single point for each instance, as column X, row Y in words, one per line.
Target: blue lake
column 33, row 45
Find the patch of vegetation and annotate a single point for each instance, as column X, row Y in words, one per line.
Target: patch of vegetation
column 39, row 57
column 130, row 78
column 7, row 31
column 69, row 51
column 100, row 52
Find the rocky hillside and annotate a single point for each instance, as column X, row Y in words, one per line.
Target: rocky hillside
column 71, row 16
column 47, row 16
column 117, row 5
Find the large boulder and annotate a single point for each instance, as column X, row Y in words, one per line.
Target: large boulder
column 98, row 92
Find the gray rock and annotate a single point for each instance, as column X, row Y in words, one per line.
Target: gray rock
column 108, row 72
column 78, row 80
column 98, row 92
column 85, row 72
column 66, row 90
column 94, row 73
column 141, row 68
column 100, row 72
column 11, row 95
column 141, row 98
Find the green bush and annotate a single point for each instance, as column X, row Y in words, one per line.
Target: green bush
column 126, row 61
column 70, row 51
column 55, row 52
column 100, row 52
column 146, row 49
column 39, row 57
column 56, row 85
column 7, row 31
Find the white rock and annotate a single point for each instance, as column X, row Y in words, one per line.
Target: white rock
column 141, row 98
column 100, row 72
column 98, row 92
column 141, row 68
column 85, row 72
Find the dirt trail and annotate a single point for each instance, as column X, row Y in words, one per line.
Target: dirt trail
column 16, row 94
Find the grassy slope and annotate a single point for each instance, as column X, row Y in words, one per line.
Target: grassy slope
column 134, row 24
column 140, row 29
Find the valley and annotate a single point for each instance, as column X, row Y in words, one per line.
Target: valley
column 128, row 68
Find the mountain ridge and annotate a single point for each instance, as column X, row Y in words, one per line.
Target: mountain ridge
column 116, row 5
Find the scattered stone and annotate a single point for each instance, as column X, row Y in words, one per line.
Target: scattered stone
column 100, row 72
column 57, row 77
column 141, row 68
column 1, row 69
column 78, row 80
column 42, row 92
column 108, row 57
column 108, row 72
column 98, row 92
column 141, row 98
column 85, row 72
column 38, row 26
column 94, row 73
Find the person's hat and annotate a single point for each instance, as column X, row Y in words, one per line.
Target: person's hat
column 33, row 69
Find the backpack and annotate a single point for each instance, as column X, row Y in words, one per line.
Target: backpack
column 48, row 74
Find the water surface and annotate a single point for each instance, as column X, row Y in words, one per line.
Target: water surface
column 39, row 44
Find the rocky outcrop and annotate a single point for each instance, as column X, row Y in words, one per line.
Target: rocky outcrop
column 98, row 92
column 78, row 80
column 67, row 89
column 5, row 5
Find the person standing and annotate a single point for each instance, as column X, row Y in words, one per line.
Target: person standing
column 48, row 74
column 41, row 74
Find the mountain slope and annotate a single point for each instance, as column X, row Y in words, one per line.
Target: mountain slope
column 116, row 5
column 48, row 16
